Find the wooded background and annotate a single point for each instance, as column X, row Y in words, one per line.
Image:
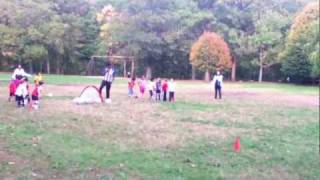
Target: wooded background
column 267, row 40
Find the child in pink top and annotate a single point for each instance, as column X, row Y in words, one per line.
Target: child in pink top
column 142, row 86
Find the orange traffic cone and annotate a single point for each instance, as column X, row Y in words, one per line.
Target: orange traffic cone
column 237, row 145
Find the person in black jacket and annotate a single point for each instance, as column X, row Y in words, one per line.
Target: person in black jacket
column 107, row 82
column 218, row 83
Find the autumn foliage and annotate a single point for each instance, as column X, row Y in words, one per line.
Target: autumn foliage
column 300, row 56
column 303, row 20
column 210, row 52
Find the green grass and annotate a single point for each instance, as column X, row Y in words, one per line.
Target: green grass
column 185, row 106
column 285, row 88
column 65, row 79
column 78, row 152
column 260, row 87
column 277, row 141
column 200, row 159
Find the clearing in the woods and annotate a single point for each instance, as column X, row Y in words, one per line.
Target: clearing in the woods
column 278, row 125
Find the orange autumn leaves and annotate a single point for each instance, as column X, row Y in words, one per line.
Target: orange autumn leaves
column 210, row 52
column 303, row 20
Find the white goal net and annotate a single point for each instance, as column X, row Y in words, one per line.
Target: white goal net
column 89, row 95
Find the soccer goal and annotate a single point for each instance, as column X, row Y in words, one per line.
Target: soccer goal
column 89, row 95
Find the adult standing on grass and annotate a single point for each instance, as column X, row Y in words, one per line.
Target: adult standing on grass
column 172, row 89
column 218, row 83
column 107, row 82
column 19, row 73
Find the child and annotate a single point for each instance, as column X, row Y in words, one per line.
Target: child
column 165, row 90
column 21, row 93
column 27, row 98
column 151, row 88
column 12, row 89
column 36, row 94
column 158, row 89
column 142, row 86
column 129, row 82
column 38, row 78
column 172, row 89
column 131, row 86
column 17, row 83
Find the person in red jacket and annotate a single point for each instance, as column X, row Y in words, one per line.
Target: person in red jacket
column 131, row 85
column 165, row 90
column 13, row 86
column 36, row 95
column 12, row 90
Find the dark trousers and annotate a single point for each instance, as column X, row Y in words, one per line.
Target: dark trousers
column 164, row 96
column 151, row 94
column 171, row 96
column 108, row 87
column 217, row 92
column 20, row 101
column 158, row 95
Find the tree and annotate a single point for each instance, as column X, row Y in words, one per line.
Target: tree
column 301, row 54
column 160, row 41
column 234, row 20
column 209, row 53
column 267, row 37
column 313, row 49
column 158, row 33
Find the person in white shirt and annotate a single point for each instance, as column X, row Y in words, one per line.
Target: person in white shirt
column 218, row 84
column 21, row 93
column 107, row 81
column 151, row 87
column 19, row 73
column 172, row 90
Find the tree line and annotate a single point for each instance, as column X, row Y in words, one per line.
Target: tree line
column 247, row 39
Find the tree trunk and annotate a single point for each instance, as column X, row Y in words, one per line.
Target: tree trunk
column 261, row 68
column 125, row 69
column 48, row 65
column 30, row 67
column 148, row 72
column 260, row 73
column 193, row 75
column 207, row 75
column 41, row 67
column 1, row 60
column 132, row 69
column 234, row 70
column 57, row 66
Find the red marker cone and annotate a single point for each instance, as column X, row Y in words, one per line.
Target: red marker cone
column 237, row 145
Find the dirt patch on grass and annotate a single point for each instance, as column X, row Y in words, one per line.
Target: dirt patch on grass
column 206, row 94
column 289, row 100
column 125, row 121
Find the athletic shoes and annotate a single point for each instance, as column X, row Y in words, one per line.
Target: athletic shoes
column 108, row 101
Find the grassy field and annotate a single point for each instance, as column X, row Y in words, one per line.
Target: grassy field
column 137, row 139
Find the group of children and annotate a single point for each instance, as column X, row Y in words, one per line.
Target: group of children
column 158, row 89
column 20, row 90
